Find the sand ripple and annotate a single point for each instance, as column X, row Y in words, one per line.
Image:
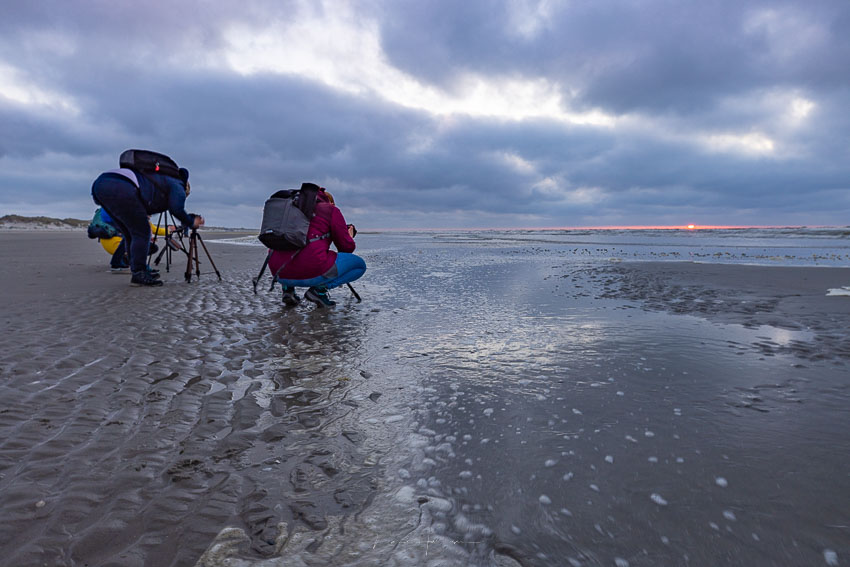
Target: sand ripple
column 135, row 427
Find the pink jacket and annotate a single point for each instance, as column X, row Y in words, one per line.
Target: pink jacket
column 316, row 258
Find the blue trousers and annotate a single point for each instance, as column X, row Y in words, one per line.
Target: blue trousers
column 348, row 267
column 121, row 200
column 118, row 257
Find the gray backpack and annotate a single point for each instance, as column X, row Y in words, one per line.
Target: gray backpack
column 286, row 219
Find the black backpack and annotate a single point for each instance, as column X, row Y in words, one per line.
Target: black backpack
column 146, row 161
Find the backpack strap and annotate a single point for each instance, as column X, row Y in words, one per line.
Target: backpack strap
column 128, row 173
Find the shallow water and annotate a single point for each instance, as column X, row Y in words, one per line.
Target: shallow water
column 487, row 404
column 789, row 246
column 560, row 429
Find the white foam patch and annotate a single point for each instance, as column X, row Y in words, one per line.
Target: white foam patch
column 830, row 557
column 439, row 504
column 845, row 290
column 658, row 499
column 405, row 494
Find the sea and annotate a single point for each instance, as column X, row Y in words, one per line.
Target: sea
column 761, row 246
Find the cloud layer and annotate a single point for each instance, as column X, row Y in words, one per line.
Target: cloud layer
column 439, row 114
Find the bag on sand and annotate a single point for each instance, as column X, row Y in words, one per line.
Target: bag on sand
column 98, row 228
column 146, row 161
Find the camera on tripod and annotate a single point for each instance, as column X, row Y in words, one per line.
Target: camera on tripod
column 175, row 241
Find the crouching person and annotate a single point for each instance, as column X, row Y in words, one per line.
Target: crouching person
column 129, row 196
column 316, row 266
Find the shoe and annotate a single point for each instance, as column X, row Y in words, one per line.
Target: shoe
column 118, row 269
column 319, row 296
column 144, row 278
column 289, row 296
column 153, row 273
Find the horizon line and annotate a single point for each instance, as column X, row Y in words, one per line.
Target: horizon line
column 692, row 227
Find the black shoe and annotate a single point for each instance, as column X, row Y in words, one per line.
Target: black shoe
column 319, row 296
column 144, row 278
column 289, row 296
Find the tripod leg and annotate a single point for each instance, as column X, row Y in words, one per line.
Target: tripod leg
column 201, row 240
column 354, row 293
column 159, row 256
column 153, row 240
column 195, row 255
column 188, row 274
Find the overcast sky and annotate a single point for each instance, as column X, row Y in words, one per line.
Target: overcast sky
column 435, row 114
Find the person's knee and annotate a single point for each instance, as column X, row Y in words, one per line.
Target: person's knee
column 354, row 273
column 356, row 263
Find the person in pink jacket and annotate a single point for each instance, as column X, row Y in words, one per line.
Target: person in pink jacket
column 316, row 266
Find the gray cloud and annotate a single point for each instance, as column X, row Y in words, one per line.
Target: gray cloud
column 686, row 85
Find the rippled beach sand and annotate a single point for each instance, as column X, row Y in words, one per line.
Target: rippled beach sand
column 484, row 405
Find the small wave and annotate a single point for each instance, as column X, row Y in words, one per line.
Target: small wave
column 239, row 241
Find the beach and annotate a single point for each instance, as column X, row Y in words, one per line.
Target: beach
column 487, row 403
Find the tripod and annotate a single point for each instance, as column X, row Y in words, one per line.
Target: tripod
column 170, row 244
column 194, row 240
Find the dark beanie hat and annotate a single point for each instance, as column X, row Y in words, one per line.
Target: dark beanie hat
column 184, row 174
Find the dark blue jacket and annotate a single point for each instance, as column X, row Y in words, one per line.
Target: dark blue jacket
column 160, row 193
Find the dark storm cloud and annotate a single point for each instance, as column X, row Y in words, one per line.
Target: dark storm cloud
column 674, row 74
column 623, row 56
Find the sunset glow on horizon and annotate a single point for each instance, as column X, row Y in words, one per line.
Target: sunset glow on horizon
column 688, row 227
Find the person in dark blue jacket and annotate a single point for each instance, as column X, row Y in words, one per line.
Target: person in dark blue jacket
column 129, row 198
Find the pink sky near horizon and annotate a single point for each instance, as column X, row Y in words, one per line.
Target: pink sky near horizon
column 612, row 227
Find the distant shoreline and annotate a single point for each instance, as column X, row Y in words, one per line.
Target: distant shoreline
column 19, row 223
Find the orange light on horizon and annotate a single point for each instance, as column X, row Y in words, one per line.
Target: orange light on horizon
column 691, row 226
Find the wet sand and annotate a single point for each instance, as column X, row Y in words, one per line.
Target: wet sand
column 470, row 411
